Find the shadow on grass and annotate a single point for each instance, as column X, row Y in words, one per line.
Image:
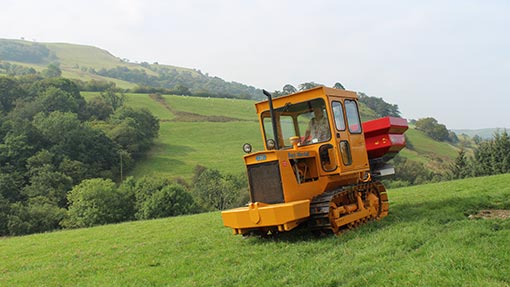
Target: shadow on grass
column 299, row 234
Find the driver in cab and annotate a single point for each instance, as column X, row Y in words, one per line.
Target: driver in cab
column 318, row 127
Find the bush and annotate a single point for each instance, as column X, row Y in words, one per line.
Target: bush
column 172, row 200
column 94, row 202
column 409, row 172
column 39, row 215
column 215, row 191
column 156, row 197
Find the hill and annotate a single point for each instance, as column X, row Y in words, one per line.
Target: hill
column 190, row 135
column 433, row 154
column 189, row 125
column 483, row 133
column 211, row 131
column 87, row 63
column 197, row 131
column 427, row 240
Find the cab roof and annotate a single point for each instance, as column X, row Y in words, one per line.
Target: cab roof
column 306, row 95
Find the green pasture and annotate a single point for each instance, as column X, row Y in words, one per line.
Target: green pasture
column 70, row 55
column 145, row 101
column 427, row 240
column 73, row 73
column 87, row 56
column 73, row 57
column 232, row 108
column 183, row 145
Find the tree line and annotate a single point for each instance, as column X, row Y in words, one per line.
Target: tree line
column 167, row 81
column 62, row 161
column 378, row 105
column 490, row 157
column 24, row 52
column 101, row 201
column 435, row 130
column 170, row 80
column 487, row 157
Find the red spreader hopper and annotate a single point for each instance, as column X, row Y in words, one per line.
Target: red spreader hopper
column 384, row 137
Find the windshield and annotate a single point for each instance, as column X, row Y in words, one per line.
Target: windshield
column 307, row 120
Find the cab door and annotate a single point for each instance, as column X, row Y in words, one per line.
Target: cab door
column 348, row 135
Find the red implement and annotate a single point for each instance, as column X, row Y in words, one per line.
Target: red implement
column 384, row 137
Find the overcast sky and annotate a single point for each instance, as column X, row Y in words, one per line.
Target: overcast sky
column 445, row 59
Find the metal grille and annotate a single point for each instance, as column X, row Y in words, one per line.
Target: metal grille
column 265, row 182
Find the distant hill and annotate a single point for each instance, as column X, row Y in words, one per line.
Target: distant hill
column 483, row 133
column 87, row 63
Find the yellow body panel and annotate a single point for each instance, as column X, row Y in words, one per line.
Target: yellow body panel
column 256, row 215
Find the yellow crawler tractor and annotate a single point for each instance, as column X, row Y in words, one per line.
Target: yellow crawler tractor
column 320, row 165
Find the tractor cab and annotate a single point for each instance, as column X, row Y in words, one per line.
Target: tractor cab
column 322, row 123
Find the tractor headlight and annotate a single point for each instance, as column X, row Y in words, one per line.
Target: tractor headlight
column 247, row 148
column 270, row 144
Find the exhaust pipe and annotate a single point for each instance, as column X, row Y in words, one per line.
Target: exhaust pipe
column 273, row 119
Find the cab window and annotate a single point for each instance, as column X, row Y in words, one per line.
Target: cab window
column 307, row 120
column 287, row 130
column 338, row 112
column 353, row 121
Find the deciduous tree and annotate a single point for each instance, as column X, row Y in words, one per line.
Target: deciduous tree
column 171, row 200
column 94, row 202
column 432, row 128
column 288, row 89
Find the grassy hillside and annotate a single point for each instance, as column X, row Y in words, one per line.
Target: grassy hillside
column 205, row 131
column 70, row 55
column 87, row 62
column 194, row 131
column 211, row 131
column 75, row 59
column 424, row 149
column 427, row 240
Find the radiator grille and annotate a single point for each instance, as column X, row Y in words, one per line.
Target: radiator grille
column 265, row 182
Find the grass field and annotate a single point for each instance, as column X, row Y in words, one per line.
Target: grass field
column 183, row 145
column 427, row 240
